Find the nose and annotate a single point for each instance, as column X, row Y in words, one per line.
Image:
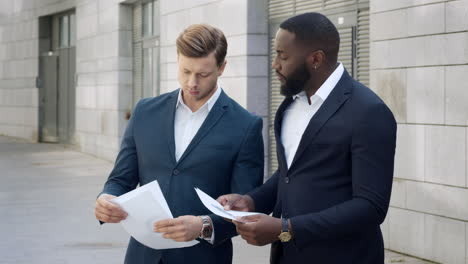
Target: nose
column 192, row 81
column 275, row 65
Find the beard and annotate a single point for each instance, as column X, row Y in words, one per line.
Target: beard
column 295, row 83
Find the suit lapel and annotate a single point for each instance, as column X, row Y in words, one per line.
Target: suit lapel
column 337, row 97
column 168, row 123
column 213, row 117
column 277, row 125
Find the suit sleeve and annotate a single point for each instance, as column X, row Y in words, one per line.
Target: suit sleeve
column 264, row 197
column 124, row 176
column 372, row 158
column 247, row 174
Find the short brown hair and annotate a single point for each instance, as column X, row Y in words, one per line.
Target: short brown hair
column 199, row 40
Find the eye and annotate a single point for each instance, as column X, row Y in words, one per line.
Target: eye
column 204, row 75
column 281, row 56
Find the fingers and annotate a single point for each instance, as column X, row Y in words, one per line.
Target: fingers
column 244, row 227
column 108, row 218
column 225, row 201
column 175, row 229
column 108, row 212
column 222, row 199
column 249, row 218
column 246, row 230
column 170, row 229
column 164, row 224
column 102, row 202
column 229, row 201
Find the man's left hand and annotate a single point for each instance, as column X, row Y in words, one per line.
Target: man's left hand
column 258, row 230
column 181, row 229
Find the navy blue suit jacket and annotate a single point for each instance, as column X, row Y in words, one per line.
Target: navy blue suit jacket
column 337, row 190
column 225, row 156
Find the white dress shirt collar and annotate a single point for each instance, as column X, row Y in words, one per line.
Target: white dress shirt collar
column 325, row 89
column 210, row 103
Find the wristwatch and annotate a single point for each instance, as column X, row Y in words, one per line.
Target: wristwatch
column 285, row 235
column 207, row 229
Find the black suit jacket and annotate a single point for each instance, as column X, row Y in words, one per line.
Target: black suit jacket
column 337, row 191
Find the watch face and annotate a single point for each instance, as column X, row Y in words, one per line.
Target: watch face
column 207, row 232
column 285, row 236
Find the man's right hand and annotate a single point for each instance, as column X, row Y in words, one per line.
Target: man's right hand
column 237, row 202
column 108, row 212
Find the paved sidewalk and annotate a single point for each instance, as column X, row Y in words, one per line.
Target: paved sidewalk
column 47, row 195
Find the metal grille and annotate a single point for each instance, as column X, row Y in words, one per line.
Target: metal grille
column 280, row 8
column 363, row 47
column 285, row 8
column 345, row 54
column 275, row 100
column 330, row 4
column 304, row 6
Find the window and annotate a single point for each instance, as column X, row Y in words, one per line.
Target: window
column 64, row 32
column 67, row 26
column 145, row 50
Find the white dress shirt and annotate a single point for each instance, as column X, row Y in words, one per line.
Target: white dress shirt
column 299, row 113
column 187, row 124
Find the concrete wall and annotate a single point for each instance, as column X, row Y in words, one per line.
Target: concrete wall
column 104, row 75
column 18, row 69
column 104, row 61
column 419, row 66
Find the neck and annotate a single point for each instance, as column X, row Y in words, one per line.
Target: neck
column 194, row 104
column 317, row 79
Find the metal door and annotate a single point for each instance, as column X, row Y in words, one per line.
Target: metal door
column 57, row 79
column 48, row 94
column 66, row 94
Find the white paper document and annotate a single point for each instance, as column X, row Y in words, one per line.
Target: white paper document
column 144, row 206
column 217, row 209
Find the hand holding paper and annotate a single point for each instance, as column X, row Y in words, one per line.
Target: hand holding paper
column 217, row 209
column 182, row 228
column 145, row 206
column 237, row 202
column 107, row 211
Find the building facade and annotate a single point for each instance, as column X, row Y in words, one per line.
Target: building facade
column 72, row 70
column 419, row 66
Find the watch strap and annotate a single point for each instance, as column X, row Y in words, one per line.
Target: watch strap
column 284, row 225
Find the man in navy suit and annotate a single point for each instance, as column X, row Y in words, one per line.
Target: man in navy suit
column 195, row 136
column 335, row 147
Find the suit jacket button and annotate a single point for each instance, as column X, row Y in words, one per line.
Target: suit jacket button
column 286, row 179
column 175, row 172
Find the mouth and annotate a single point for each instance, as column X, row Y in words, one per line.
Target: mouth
column 194, row 92
column 280, row 78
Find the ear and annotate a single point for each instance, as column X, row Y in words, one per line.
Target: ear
column 315, row 59
column 221, row 68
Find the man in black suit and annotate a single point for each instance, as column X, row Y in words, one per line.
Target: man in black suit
column 335, row 147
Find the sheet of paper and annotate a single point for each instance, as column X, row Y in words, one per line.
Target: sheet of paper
column 144, row 206
column 217, row 209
